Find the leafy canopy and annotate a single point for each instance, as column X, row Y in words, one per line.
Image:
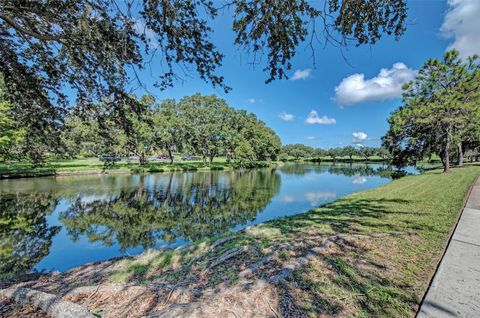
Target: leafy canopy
column 96, row 47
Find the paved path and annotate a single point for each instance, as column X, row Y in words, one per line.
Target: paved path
column 455, row 290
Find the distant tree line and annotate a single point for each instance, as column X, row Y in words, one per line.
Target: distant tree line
column 301, row 151
column 204, row 126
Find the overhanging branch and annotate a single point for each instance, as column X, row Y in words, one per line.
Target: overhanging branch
column 21, row 29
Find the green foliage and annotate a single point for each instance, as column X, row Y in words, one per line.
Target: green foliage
column 204, row 126
column 334, row 153
column 300, row 151
column 367, row 152
column 441, row 110
column 11, row 136
column 244, row 152
column 350, row 151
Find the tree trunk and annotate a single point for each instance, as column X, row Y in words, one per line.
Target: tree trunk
column 446, row 162
column 142, row 159
column 170, row 154
column 460, row 154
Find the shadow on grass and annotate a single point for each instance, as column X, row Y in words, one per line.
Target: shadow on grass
column 343, row 217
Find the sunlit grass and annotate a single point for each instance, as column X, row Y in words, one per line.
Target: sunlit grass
column 93, row 165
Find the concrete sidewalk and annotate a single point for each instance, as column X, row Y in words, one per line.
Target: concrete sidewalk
column 455, row 290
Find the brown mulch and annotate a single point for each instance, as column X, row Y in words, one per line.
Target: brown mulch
column 10, row 309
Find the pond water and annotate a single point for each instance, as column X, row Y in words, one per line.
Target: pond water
column 58, row 223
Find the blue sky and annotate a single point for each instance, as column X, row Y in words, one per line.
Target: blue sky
column 360, row 106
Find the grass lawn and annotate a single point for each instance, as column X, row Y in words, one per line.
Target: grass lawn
column 93, row 165
column 384, row 245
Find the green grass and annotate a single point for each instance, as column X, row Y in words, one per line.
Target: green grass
column 382, row 275
column 93, row 165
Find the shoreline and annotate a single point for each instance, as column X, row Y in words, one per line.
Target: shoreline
column 154, row 167
column 175, row 167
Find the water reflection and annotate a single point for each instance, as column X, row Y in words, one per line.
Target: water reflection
column 25, row 236
column 58, row 223
column 359, row 180
column 191, row 208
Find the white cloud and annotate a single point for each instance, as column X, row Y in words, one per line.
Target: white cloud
column 312, row 138
column 313, row 119
column 386, row 85
column 462, row 23
column 288, row 199
column 301, row 74
column 250, row 100
column 286, row 116
column 315, row 197
column 141, row 29
column 359, row 137
column 359, row 180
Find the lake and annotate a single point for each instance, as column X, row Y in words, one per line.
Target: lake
column 57, row 223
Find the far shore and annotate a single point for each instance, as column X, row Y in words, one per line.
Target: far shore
column 92, row 166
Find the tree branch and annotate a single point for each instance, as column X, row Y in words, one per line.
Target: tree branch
column 19, row 28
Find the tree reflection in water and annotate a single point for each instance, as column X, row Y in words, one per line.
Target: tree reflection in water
column 191, row 206
column 144, row 211
column 25, row 236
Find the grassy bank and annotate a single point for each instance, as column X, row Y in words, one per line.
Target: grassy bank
column 369, row 254
column 393, row 237
column 94, row 166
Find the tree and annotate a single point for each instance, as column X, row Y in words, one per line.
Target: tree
column 205, row 117
column 298, row 151
column 244, row 152
column 319, row 153
column 367, row 152
column 350, row 151
column 334, row 153
column 168, row 127
column 203, row 125
column 383, row 153
column 11, row 135
column 97, row 48
column 138, row 129
column 264, row 141
column 439, row 107
column 81, row 136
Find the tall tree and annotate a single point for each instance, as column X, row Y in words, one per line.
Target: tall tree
column 205, row 117
column 439, row 106
column 350, row 151
column 168, row 127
